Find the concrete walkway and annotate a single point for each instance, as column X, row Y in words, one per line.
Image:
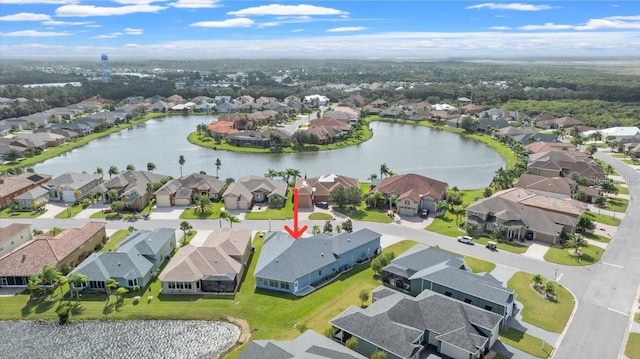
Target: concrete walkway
column 516, row 322
column 536, row 251
column 52, row 209
column 597, row 243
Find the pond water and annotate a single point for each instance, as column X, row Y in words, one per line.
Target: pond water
column 116, row 339
column 404, row 148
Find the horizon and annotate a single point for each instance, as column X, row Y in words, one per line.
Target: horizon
column 208, row 29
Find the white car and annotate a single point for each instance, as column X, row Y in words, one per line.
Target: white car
column 465, row 239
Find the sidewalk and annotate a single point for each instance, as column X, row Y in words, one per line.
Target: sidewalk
column 594, row 209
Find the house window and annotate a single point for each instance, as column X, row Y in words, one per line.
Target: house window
column 467, row 300
column 489, row 308
column 448, row 294
column 320, row 272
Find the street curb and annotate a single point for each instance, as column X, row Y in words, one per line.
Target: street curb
column 630, row 324
column 566, row 327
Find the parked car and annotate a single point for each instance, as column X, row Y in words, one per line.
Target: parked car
column 424, row 213
column 324, row 205
column 465, row 239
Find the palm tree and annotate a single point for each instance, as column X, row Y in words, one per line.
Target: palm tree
column 442, row 206
column 49, row 276
column 34, row 283
column 131, row 167
column 151, row 166
column 113, row 170
column 384, row 170
column 110, row 285
column 372, row 177
column 271, row 173
column 459, row 212
column 292, row 172
column 77, row 282
column 576, row 242
column 229, row 217
column 100, row 171
column 537, row 280
column 202, row 204
column 218, row 164
column 374, row 198
column 181, row 162
column 184, row 227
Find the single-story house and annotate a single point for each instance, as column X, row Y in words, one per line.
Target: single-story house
column 413, row 192
column 309, row 345
column 302, row 265
column 63, row 188
column 318, row 189
column 405, row 327
column 132, row 187
column 13, row 186
column 560, row 163
column 62, row 250
column 213, row 266
column 246, row 191
column 32, row 198
column 429, row 268
column 181, row 191
column 135, row 262
column 12, row 236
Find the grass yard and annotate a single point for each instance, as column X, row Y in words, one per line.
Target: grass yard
column 271, row 315
column 184, row 240
column 213, row 213
column 114, row 240
column 320, row 216
column 106, row 215
column 525, row 342
column 285, row 212
column 512, row 247
column 445, row 224
column 637, row 317
column 479, row 265
column 6, row 213
column 538, row 311
column 617, row 204
column 366, row 215
column 601, row 218
column 590, row 255
column 70, row 211
column 632, row 350
column 596, row 237
column 623, row 189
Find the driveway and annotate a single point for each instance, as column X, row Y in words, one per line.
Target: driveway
column 536, row 251
column 168, row 212
column 52, row 210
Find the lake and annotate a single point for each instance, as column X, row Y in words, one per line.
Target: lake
column 442, row 155
column 180, row 339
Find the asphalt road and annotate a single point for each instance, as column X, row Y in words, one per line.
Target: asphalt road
column 605, row 292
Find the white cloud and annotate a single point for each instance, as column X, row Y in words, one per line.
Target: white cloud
column 91, row 10
column 512, row 6
column 54, row 2
column 297, row 30
column 68, row 23
column 25, row 16
column 131, row 31
column 287, row 10
column 347, row 29
column 229, row 23
column 34, row 33
column 112, row 35
column 195, row 4
column 547, row 26
column 500, row 28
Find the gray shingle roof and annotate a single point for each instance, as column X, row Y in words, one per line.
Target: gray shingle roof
column 309, row 345
column 421, row 260
column 475, row 285
column 390, row 322
column 283, row 258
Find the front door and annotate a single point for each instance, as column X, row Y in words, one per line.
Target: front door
column 295, row 286
column 3, row 281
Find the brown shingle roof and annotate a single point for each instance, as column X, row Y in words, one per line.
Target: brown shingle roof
column 413, row 186
column 325, row 184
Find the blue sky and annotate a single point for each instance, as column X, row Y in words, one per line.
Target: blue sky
column 317, row 29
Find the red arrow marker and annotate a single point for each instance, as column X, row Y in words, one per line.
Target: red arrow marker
column 295, row 232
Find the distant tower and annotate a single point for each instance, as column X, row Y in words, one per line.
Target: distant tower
column 106, row 75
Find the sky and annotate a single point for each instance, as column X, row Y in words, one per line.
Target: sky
column 317, row 29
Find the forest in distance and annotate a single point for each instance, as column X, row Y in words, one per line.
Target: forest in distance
column 601, row 94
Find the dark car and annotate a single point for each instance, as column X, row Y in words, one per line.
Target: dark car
column 424, row 213
column 324, row 205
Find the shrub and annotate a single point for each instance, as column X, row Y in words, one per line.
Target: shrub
column 63, row 313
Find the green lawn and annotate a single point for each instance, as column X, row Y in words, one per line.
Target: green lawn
column 479, row 265
column 632, row 350
column 320, row 216
column 596, row 237
column 525, row 342
column 601, row 218
column 590, row 255
column 213, row 213
column 538, row 311
column 445, row 224
column 362, row 214
column 285, row 212
column 70, row 211
column 623, row 189
column 106, row 215
column 271, row 315
column 637, row 317
column 184, row 240
column 6, row 213
column 114, row 240
column 512, row 247
column 617, row 204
